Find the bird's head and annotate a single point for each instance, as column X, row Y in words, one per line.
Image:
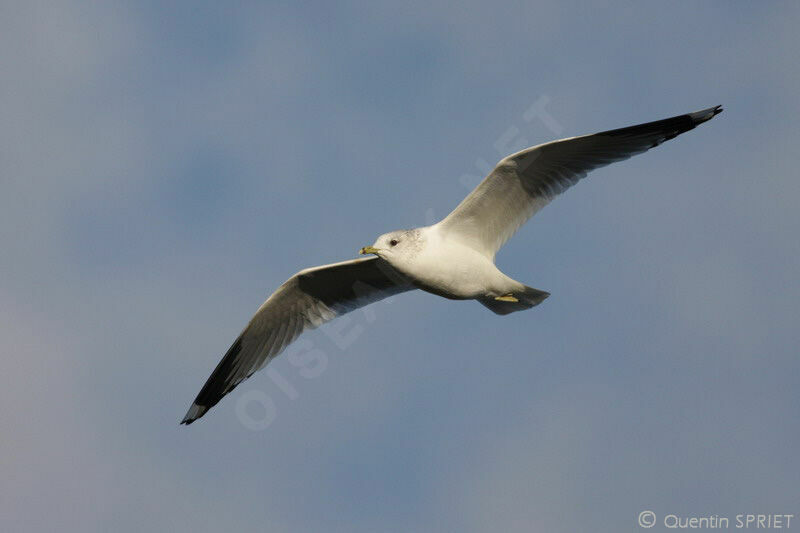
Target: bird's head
column 395, row 246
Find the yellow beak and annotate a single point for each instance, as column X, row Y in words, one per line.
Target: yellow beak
column 368, row 250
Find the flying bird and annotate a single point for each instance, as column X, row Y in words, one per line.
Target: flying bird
column 453, row 258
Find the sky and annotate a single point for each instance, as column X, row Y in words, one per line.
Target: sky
column 164, row 167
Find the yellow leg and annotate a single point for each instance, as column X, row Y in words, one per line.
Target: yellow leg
column 506, row 298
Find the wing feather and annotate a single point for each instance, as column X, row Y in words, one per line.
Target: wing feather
column 305, row 301
column 522, row 183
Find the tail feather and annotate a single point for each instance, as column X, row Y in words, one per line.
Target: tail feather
column 526, row 299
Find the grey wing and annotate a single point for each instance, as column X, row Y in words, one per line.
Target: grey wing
column 306, row 300
column 524, row 182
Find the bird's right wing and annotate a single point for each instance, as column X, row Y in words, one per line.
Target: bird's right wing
column 524, row 182
column 306, row 300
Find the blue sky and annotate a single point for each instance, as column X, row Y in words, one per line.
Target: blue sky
column 164, row 169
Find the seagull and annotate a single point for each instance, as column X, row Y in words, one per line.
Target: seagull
column 453, row 258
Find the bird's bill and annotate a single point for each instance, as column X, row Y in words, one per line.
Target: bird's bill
column 368, row 250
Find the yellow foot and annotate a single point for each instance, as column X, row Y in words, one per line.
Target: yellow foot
column 506, row 298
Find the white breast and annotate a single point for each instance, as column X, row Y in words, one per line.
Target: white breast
column 452, row 269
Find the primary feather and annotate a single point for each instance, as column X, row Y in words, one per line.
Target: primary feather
column 522, row 183
column 306, row 300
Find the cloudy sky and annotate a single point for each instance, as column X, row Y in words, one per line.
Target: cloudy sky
column 163, row 169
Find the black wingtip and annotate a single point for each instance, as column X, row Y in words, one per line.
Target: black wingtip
column 666, row 129
column 698, row 117
column 217, row 385
column 194, row 412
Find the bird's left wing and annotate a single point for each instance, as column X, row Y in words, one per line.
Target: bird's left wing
column 306, row 300
column 524, row 182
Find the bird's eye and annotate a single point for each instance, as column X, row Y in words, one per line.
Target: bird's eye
column 393, row 242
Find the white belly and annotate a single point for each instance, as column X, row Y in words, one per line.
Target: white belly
column 456, row 271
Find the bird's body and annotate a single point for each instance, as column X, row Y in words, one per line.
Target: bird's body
column 453, row 258
column 444, row 265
